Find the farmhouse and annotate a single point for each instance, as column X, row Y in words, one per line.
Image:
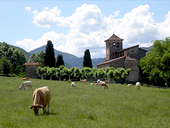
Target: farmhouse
column 127, row 58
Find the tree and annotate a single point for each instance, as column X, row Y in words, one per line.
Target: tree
column 87, row 59
column 49, row 58
column 101, row 73
column 51, row 72
column 38, row 58
column 60, row 60
column 111, row 74
column 155, row 65
column 5, row 65
column 15, row 56
column 77, row 73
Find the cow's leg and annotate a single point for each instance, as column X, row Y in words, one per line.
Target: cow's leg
column 44, row 109
column 48, row 107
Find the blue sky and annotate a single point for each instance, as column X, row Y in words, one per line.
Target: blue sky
column 74, row 26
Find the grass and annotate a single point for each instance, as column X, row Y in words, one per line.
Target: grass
column 85, row 106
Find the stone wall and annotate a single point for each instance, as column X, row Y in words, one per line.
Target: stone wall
column 31, row 70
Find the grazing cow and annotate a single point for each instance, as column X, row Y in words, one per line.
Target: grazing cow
column 98, row 82
column 41, row 96
column 84, row 81
column 73, row 84
column 26, row 78
column 129, row 85
column 26, row 84
column 138, row 85
column 102, row 83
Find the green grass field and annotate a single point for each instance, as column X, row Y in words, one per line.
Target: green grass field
column 86, row 106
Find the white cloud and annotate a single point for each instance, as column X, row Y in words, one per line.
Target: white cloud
column 28, row 8
column 47, row 17
column 88, row 29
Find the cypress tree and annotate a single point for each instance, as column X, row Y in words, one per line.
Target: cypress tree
column 87, row 59
column 60, row 60
column 49, row 58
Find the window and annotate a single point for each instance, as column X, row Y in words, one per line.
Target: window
column 113, row 44
column 132, row 51
column 117, row 44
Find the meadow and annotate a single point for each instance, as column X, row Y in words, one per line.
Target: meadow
column 85, row 106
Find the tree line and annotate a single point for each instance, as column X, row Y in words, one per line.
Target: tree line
column 62, row 73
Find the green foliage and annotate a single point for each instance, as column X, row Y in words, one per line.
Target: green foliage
column 87, row 59
column 84, row 106
column 49, row 58
column 15, row 56
column 60, row 60
column 38, row 58
column 5, row 65
column 100, row 73
column 155, row 65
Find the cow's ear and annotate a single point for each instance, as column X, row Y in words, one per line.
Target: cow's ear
column 31, row 107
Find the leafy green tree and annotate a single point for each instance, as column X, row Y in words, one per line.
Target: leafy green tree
column 60, row 60
column 38, row 58
column 72, row 71
column 44, row 71
column 87, row 72
column 39, row 71
column 58, row 74
column 111, row 74
column 77, row 73
column 101, row 73
column 5, row 65
column 69, row 73
column 15, row 56
column 155, row 65
column 87, row 59
column 49, row 58
column 51, row 72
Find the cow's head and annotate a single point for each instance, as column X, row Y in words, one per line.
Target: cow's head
column 35, row 108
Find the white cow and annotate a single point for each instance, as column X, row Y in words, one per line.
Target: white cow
column 73, row 84
column 26, row 84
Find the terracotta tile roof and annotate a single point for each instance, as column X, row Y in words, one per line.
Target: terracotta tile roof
column 112, row 60
column 109, row 61
column 114, row 38
column 128, row 48
column 31, row 63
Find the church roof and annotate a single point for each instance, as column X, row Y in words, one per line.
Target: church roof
column 122, row 57
column 109, row 61
column 114, row 38
column 31, row 63
column 128, row 48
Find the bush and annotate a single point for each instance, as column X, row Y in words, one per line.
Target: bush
column 12, row 75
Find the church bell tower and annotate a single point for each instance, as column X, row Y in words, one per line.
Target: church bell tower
column 113, row 44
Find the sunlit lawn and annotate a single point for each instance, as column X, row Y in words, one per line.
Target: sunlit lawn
column 86, row 106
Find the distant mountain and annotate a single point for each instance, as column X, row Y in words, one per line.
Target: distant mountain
column 147, row 48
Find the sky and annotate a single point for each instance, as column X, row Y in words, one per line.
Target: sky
column 76, row 25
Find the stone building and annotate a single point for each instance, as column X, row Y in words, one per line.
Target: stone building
column 127, row 58
column 31, row 69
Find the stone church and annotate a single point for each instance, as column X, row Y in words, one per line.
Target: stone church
column 127, row 58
